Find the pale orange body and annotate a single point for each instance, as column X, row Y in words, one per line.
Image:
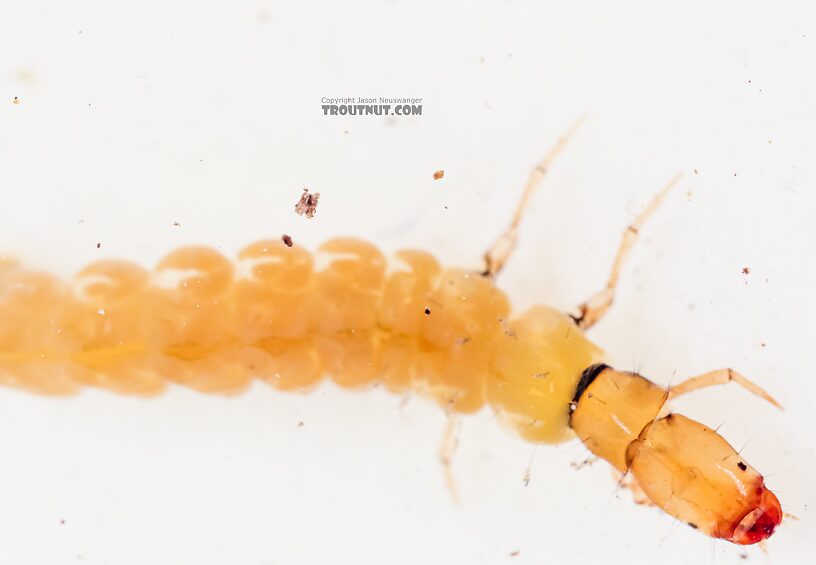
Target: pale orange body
column 285, row 317
column 202, row 321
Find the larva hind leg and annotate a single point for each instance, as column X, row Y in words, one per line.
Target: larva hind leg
column 447, row 448
column 720, row 377
column 500, row 252
column 594, row 309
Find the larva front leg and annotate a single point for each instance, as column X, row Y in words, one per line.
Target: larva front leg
column 721, row 377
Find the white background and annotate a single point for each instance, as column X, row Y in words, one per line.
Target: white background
column 137, row 115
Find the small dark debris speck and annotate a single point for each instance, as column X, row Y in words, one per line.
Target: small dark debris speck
column 438, row 174
column 300, row 424
column 62, row 522
column 287, row 240
column 746, row 271
column 427, row 311
column 514, row 553
column 742, row 466
column 98, row 245
column 693, row 525
column 176, row 224
column 15, row 101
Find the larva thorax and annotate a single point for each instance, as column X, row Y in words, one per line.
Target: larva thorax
column 290, row 318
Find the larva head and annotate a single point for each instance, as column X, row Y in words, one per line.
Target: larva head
column 692, row 473
column 683, row 467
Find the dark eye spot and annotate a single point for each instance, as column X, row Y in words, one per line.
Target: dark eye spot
column 742, row 466
column 427, row 311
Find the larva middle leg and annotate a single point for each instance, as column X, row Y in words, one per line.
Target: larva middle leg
column 594, row 309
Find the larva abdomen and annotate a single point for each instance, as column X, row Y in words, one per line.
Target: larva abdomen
column 283, row 317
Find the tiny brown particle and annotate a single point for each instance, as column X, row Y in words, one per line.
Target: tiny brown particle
column 287, row 239
column 746, row 271
column 15, row 101
column 762, row 344
column 307, row 204
column 514, row 553
column 176, row 224
column 427, row 311
column 742, row 466
column 62, row 522
column 98, row 245
column 438, row 174
column 300, row 424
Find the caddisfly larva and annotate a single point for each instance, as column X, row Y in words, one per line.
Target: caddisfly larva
column 201, row 321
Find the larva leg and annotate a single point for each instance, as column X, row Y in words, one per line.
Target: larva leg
column 629, row 483
column 720, row 377
column 446, row 450
column 594, row 309
column 498, row 255
column 578, row 465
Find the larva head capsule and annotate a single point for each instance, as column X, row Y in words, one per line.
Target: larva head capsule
column 682, row 466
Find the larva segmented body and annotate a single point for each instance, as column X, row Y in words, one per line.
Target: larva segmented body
column 203, row 322
column 287, row 318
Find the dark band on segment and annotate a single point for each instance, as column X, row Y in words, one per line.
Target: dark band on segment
column 587, row 378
